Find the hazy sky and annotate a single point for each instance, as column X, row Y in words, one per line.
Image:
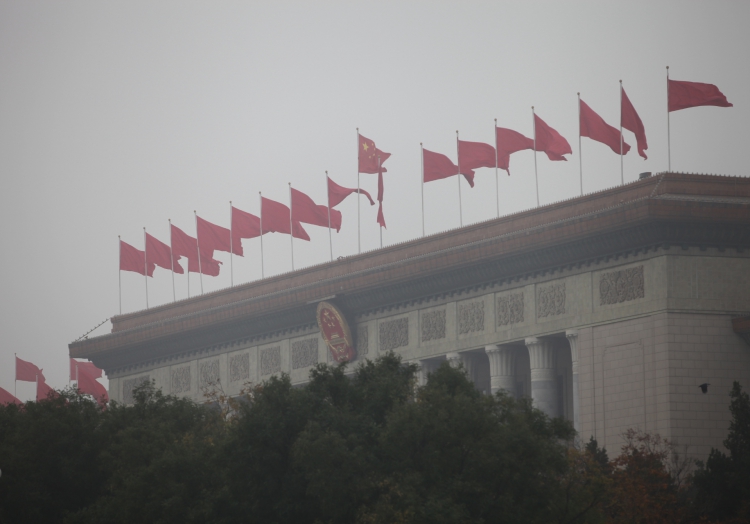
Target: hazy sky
column 120, row 115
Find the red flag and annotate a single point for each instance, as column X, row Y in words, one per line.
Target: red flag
column 507, row 142
column 43, row 391
column 630, row 120
column 438, row 166
column 368, row 156
column 90, row 368
column 161, row 254
column 550, row 141
column 27, row 371
column 186, row 246
column 682, row 95
column 89, row 385
column 381, row 191
column 337, row 193
column 473, row 155
column 275, row 218
column 244, row 225
column 594, row 127
column 304, row 209
column 132, row 259
column 212, row 237
column 7, row 398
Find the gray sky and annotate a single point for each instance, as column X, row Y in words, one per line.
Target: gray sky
column 120, row 115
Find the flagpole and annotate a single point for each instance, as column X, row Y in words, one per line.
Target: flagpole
column 119, row 269
column 330, row 236
column 359, row 238
column 36, row 393
column 458, row 160
column 291, row 224
column 231, row 248
column 497, row 180
column 262, row 271
column 15, row 363
column 669, row 139
column 536, row 174
column 171, row 260
column 580, row 154
column 421, row 147
column 380, row 203
column 622, row 169
column 198, row 248
column 145, row 265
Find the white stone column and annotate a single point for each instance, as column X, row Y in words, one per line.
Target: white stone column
column 572, row 335
column 543, row 375
column 502, row 368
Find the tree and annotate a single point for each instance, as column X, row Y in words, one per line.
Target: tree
column 722, row 489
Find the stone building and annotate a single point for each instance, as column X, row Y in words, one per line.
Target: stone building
column 608, row 309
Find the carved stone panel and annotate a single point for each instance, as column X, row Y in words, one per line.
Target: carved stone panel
column 129, row 385
column 181, row 380
column 433, row 325
column 304, row 353
column 470, row 317
column 551, row 300
column 363, row 340
column 510, row 309
column 270, row 360
column 208, row 372
column 239, row 367
column 394, row 334
column 621, row 286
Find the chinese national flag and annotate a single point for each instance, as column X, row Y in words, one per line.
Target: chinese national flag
column 683, row 95
column 275, row 218
column 630, row 120
column 438, row 166
column 244, row 225
column 43, row 391
column 337, row 193
column 550, row 141
column 304, row 209
column 507, row 142
column 186, row 246
column 89, row 385
column 8, row 398
column 90, row 368
column 161, row 254
column 594, row 127
column 368, row 157
column 27, row 371
column 212, row 237
column 132, row 259
column 473, row 155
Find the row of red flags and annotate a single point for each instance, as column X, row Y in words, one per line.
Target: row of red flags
column 277, row 217
column 84, row 373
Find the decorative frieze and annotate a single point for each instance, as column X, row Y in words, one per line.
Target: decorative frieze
column 433, row 325
column 181, row 380
column 551, row 300
column 394, row 334
column 129, row 385
column 510, row 309
column 304, row 353
column 363, row 340
column 270, row 360
column 239, row 367
column 208, row 372
column 470, row 317
column 621, row 286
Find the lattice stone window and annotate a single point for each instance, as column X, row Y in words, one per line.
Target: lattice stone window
column 394, row 334
column 239, row 367
column 129, row 385
column 208, row 372
column 551, row 300
column 181, row 380
column 510, row 309
column 433, row 325
column 304, row 353
column 471, row 317
column 270, row 360
column 621, row 286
